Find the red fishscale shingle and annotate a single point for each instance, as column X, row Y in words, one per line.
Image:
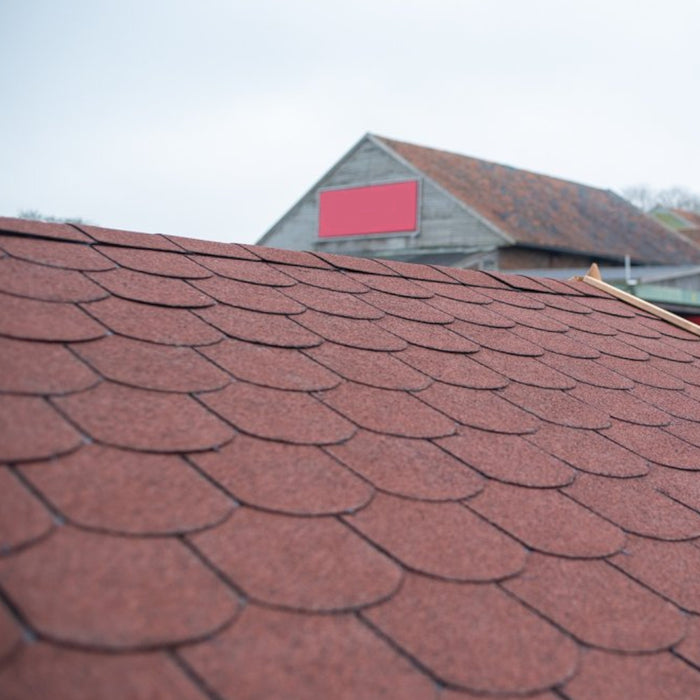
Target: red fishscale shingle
column 10, row 638
column 478, row 314
column 657, row 348
column 585, row 289
column 409, row 468
column 345, row 262
column 507, row 298
column 560, row 343
column 564, row 303
column 117, row 237
column 548, row 521
column 555, row 286
column 294, row 479
column 641, row 373
column 687, row 373
column 588, row 451
column 692, row 347
column 461, row 370
column 556, row 407
column 332, row 302
column 671, row 569
column 631, row 329
column 498, row 339
column 216, row 248
column 473, row 278
column 622, row 405
column 278, row 368
column 155, row 262
column 605, row 676
column 406, row 307
column 145, row 420
column 456, row 292
column 689, row 647
column 280, row 654
column 681, row 486
column 393, row 285
column 244, row 270
column 46, row 320
column 587, row 371
column 332, row 280
column 655, row 445
column 636, row 506
column 528, row 370
column 32, row 429
column 287, row 257
column 520, row 282
column 591, row 324
column 45, row 283
column 41, row 368
column 508, row 458
column 44, row 229
column 686, row 430
column 662, row 327
column 431, row 336
column 479, row 409
column 378, row 369
column 528, row 317
column 608, row 345
column 126, row 492
column 357, row 333
column 151, row 366
column 419, row 272
column 598, row 605
column 151, row 323
column 105, row 592
column 45, row 671
column 386, row 411
column 476, row 637
column 675, row 403
column 439, row 539
column 273, row 414
column 313, row 564
column 23, row 519
column 608, row 306
column 245, row 295
column 269, row 329
column 151, row 289
column 56, row 254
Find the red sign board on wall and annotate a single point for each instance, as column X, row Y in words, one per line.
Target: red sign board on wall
column 362, row 211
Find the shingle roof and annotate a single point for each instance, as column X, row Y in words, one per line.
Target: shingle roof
column 234, row 472
column 542, row 211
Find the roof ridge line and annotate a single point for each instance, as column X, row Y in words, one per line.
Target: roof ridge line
column 592, row 277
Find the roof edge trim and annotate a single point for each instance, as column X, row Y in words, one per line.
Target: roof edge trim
column 590, row 278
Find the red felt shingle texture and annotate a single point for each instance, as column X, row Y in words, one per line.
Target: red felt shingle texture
column 231, row 471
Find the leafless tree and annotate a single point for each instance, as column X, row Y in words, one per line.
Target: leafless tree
column 646, row 198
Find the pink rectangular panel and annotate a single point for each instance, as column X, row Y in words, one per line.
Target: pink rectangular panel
column 359, row 211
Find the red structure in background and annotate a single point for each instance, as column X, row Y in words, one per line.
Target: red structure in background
column 359, row 211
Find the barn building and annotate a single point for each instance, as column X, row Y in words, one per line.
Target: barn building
column 394, row 200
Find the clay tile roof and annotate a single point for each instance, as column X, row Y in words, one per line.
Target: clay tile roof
column 233, row 472
column 542, row 211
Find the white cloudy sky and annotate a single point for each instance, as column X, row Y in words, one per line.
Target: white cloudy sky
column 211, row 118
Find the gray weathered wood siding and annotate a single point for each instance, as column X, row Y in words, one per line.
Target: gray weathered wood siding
column 444, row 224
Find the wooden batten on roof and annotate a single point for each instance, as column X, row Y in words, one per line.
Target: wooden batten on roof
column 593, row 277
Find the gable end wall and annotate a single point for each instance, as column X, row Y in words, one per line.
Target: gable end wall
column 443, row 222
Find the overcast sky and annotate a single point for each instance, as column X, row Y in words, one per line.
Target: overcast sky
column 210, row 118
